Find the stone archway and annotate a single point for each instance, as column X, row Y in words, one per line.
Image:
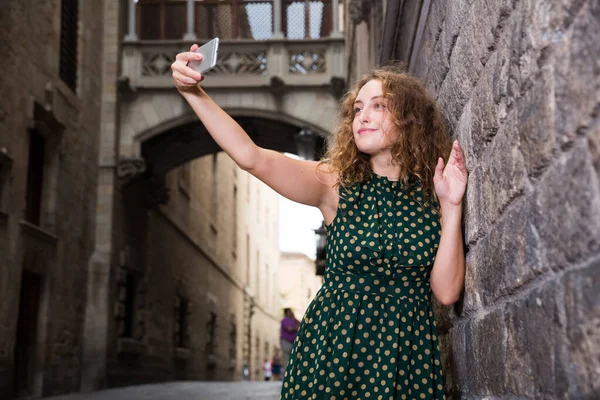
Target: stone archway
column 184, row 142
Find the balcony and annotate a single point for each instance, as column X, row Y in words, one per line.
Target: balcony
column 268, row 43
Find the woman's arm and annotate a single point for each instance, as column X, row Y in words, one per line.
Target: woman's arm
column 298, row 180
column 448, row 274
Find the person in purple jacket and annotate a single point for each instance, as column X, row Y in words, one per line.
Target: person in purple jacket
column 289, row 327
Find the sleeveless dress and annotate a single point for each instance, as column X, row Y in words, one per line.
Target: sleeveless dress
column 370, row 331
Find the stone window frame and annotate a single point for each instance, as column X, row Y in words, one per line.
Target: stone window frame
column 233, row 337
column 6, row 163
column 182, row 354
column 136, row 342
column 212, row 330
column 44, row 121
column 234, row 233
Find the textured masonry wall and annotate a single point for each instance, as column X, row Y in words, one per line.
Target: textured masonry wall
column 29, row 44
column 519, row 81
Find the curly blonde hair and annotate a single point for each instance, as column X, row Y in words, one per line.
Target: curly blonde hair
column 421, row 141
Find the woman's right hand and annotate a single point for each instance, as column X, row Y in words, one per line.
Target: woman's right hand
column 186, row 79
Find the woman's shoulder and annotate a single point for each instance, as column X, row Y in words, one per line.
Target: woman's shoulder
column 327, row 174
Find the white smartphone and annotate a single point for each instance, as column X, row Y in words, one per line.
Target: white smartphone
column 209, row 56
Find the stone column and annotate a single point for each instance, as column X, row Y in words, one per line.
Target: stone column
column 191, row 31
column 131, row 33
column 97, row 313
column 335, row 16
column 277, row 33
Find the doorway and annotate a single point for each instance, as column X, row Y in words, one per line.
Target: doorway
column 27, row 333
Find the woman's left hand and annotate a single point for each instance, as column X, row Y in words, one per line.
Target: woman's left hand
column 450, row 181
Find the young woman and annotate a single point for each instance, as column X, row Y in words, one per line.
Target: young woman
column 393, row 207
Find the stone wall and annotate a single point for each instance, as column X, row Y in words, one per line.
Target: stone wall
column 519, row 81
column 58, row 247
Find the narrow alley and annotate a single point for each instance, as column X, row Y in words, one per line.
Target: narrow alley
column 186, row 391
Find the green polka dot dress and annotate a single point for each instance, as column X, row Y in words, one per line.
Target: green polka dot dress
column 370, row 331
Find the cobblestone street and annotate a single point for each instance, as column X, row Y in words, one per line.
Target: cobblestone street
column 186, row 391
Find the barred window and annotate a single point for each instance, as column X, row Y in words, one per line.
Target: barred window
column 68, row 42
column 227, row 19
column 234, row 19
column 306, row 19
column 161, row 19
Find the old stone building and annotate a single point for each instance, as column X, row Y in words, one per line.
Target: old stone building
column 196, row 294
column 132, row 250
column 186, row 254
column 49, row 138
column 519, row 84
column 298, row 282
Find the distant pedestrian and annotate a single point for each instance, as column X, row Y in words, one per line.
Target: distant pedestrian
column 276, row 366
column 267, row 370
column 289, row 328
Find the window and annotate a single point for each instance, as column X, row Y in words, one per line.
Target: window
column 129, row 302
column 215, row 186
column 211, row 329
column 161, row 19
column 304, row 19
column 5, row 166
column 35, row 177
column 258, row 202
column 258, row 294
column 233, row 339
column 267, row 286
column 248, row 261
column 68, row 42
column 234, row 231
column 181, row 321
column 233, row 19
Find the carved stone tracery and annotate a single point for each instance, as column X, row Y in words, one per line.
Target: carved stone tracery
column 359, row 10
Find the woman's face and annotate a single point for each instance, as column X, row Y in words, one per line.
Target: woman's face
column 373, row 128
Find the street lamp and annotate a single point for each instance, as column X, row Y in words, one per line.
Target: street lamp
column 321, row 234
column 305, row 144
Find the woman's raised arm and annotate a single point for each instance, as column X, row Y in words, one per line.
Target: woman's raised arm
column 298, row 180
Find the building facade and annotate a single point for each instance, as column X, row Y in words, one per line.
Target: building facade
column 518, row 83
column 298, row 282
column 196, row 285
column 132, row 250
column 187, row 272
column 49, row 142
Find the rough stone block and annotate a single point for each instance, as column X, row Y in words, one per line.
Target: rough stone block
column 511, row 255
column 568, row 204
column 484, row 355
column 536, row 123
column 437, row 68
column 536, row 344
column 472, row 293
column 594, row 144
column 504, row 174
column 476, row 208
column 484, row 121
column 456, row 14
column 582, row 309
column 577, row 77
column 456, row 366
